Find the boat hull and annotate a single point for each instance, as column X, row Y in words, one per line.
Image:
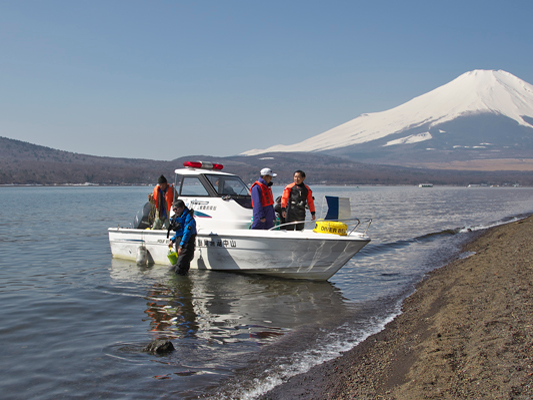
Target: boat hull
column 287, row 254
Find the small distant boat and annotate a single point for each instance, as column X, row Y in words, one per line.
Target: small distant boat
column 425, row 185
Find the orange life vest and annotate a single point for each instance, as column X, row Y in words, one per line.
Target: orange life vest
column 169, row 198
column 267, row 198
column 285, row 198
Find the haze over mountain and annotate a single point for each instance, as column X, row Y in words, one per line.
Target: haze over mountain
column 481, row 115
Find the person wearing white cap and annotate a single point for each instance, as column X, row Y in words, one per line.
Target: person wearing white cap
column 263, row 201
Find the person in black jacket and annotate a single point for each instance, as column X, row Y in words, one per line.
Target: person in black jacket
column 296, row 197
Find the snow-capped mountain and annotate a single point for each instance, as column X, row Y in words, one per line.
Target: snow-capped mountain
column 481, row 109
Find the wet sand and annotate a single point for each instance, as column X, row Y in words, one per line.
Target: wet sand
column 466, row 333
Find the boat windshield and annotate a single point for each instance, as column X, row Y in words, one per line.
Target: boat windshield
column 228, row 185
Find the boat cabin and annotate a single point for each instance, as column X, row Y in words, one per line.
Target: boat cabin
column 211, row 182
column 215, row 196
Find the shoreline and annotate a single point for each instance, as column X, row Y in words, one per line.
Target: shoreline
column 466, row 332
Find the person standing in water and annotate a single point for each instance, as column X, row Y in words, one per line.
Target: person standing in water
column 185, row 237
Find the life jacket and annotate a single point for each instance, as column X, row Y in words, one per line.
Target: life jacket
column 267, row 198
column 169, row 199
column 291, row 194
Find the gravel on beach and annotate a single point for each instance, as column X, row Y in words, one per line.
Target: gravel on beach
column 465, row 333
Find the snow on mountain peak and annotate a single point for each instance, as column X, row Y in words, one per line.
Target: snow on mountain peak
column 477, row 91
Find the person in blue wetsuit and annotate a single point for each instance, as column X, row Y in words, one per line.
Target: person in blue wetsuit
column 263, row 201
column 184, row 239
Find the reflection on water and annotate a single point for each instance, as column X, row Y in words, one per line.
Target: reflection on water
column 223, row 308
column 222, row 322
column 171, row 310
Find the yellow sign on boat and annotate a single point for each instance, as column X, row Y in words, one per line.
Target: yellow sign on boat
column 331, row 227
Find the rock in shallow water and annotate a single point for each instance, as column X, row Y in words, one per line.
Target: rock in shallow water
column 159, row 347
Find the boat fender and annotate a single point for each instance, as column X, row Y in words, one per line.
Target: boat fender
column 142, row 255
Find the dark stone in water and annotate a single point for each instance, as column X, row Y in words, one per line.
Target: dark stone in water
column 159, row 347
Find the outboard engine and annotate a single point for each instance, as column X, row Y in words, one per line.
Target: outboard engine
column 142, row 219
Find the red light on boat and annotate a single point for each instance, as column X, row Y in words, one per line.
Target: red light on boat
column 192, row 164
column 202, row 164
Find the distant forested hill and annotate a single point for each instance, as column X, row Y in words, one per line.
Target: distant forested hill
column 25, row 163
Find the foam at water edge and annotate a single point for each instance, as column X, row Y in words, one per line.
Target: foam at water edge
column 303, row 362
column 492, row 225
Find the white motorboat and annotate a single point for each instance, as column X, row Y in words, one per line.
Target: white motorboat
column 223, row 212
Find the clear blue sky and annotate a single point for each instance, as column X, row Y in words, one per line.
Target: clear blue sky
column 163, row 79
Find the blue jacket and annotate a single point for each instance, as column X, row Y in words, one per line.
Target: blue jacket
column 187, row 227
column 260, row 211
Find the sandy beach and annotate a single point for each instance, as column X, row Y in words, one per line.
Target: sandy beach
column 466, row 333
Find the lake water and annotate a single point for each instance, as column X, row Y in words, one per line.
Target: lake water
column 74, row 321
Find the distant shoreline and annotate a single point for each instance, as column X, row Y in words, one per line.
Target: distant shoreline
column 2, row 185
column 74, row 185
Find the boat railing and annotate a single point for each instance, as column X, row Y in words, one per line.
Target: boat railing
column 356, row 222
column 359, row 223
column 286, row 224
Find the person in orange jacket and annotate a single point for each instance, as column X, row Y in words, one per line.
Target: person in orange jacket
column 163, row 197
column 294, row 199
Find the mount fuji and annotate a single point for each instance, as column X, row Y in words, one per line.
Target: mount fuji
column 483, row 117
